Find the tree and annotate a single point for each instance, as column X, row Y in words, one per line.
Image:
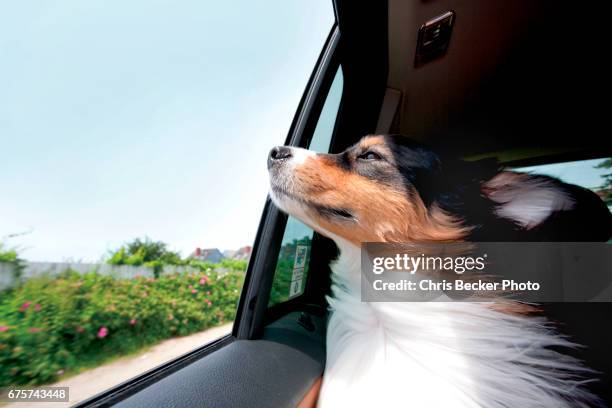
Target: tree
column 145, row 252
column 606, row 187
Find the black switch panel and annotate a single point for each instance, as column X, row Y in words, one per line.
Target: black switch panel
column 434, row 37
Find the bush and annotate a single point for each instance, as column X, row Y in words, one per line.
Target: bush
column 11, row 257
column 51, row 325
column 154, row 254
column 235, row 265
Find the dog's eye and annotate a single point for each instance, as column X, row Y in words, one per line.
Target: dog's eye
column 369, row 156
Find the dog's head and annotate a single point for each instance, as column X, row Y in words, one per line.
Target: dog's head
column 392, row 189
column 377, row 190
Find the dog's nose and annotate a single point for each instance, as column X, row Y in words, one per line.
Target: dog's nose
column 278, row 154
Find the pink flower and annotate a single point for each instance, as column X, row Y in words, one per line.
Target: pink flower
column 190, row 286
column 208, row 292
column 102, row 332
column 203, row 281
column 194, row 291
column 37, row 307
column 34, row 330
column 133, row 322
column 208, row 302
column 25, row 306
column 3, row 328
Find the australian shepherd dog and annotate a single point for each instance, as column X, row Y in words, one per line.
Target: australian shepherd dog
column 435, row 354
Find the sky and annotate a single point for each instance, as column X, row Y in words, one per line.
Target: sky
column 582, row 172
column 130, row 119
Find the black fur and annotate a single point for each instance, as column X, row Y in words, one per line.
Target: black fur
column 456, row 187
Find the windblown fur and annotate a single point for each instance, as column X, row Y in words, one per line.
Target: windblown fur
column 441, row 354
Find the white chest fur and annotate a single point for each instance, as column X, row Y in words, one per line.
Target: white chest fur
column 440, row 354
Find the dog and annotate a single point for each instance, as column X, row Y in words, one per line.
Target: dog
column 388, row 188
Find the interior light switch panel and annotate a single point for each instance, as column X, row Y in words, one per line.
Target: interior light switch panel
column 434, row 37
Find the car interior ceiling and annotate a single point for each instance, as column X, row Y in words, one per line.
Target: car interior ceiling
column 517, row 80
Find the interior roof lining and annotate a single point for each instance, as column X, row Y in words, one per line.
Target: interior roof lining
column 509, row 81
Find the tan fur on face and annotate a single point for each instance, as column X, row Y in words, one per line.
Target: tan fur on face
column 382, row 213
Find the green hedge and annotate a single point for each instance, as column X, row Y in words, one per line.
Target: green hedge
column 55, row 325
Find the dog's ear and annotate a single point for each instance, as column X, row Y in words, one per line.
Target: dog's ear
column 455, row 184
column 527, row 200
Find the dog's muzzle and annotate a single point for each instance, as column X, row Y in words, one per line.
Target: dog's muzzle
column 278, row 155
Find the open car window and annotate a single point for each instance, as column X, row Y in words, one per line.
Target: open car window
column 134, row 138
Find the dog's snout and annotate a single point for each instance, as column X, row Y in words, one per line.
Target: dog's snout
column 278, row 154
